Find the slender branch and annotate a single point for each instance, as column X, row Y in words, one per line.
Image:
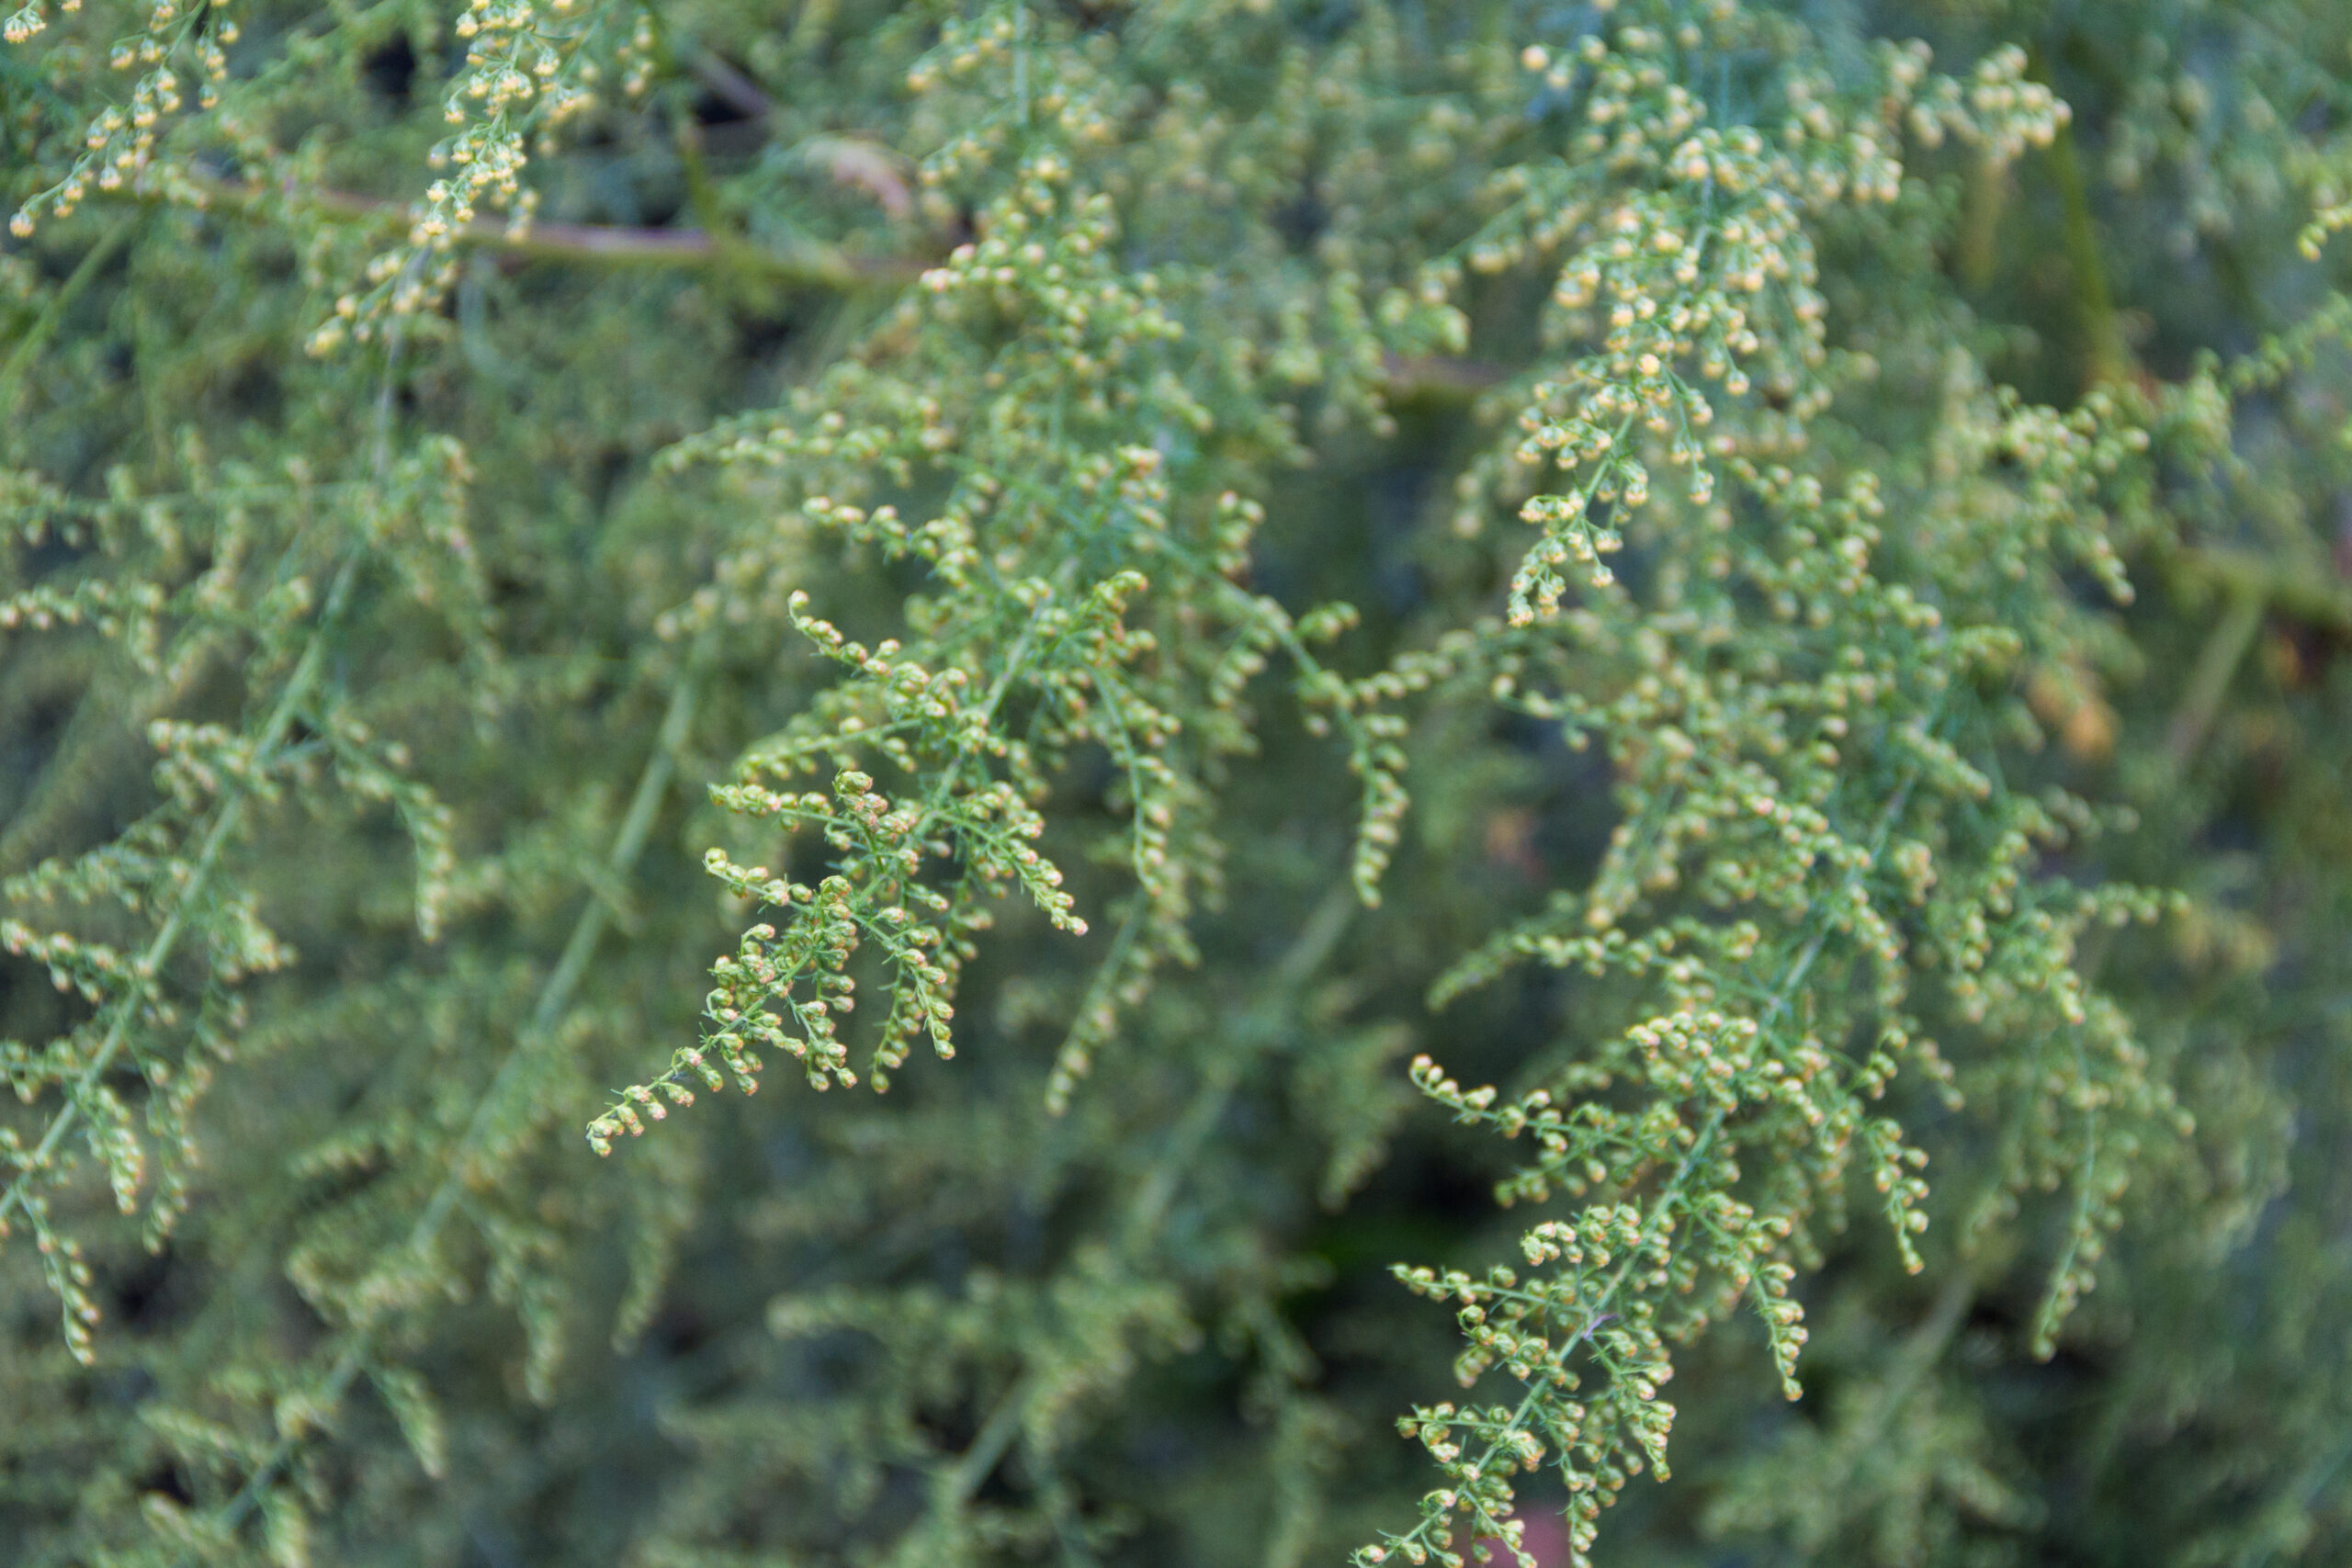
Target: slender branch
column 1599, row 1310
column 2314, row 596
column 729, row 249
column 1431, row 378
column 810, row 266
column 1919, row 1352
column 1139, row 1226
column 21, row 360
column 151, row 963
column 2109, row 359
column 727, row 84
column 2224, row 651
column 1977, row 252
column 555, row 997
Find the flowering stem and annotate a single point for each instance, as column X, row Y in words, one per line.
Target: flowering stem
column 1597, row 1310
column 166, row 940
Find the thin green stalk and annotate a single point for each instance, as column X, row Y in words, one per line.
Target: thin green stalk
column 159, row 949
column 2106, row 358
column 2314, row 596
column 555, row 997
column 20, row 362
column 1148, row 1207
column 2216, row 666
column 1599, row 1310
column 1920, row 1349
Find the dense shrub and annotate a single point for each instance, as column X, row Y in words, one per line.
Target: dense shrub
column 1660, row 675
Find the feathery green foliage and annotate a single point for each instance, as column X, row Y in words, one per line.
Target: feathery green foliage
column 1763, row 585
